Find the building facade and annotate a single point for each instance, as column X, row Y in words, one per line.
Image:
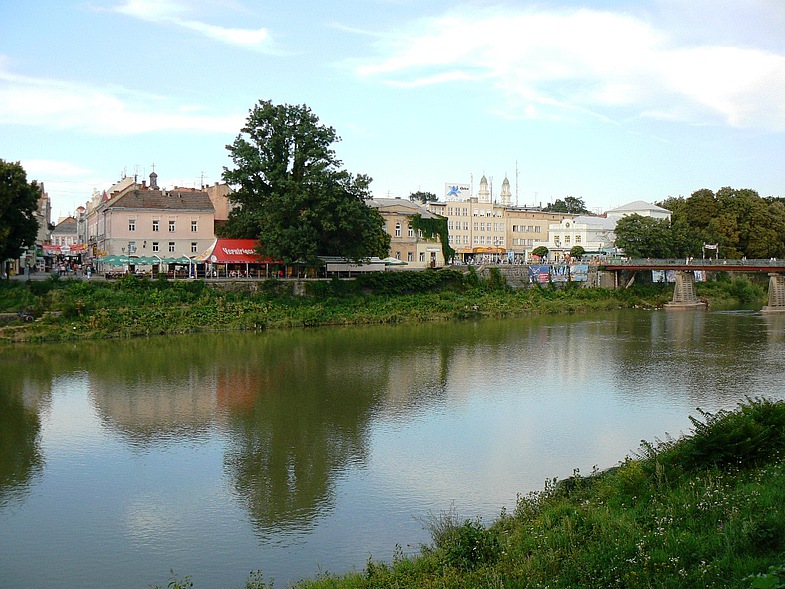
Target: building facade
column 406, row 243
column 140, row 220
column 482, row 230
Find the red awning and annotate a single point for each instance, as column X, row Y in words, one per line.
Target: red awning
column 234, row 251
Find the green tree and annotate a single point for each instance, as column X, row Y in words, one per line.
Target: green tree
column 642, row 237
column 423, row 197
column 540, row 251
column 293, row 194
column 570, row 204
column 18, row 203
column 577, row 251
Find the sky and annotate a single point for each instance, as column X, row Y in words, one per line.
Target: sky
column 607, row 101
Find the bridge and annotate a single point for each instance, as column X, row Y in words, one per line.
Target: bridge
column 684, row 291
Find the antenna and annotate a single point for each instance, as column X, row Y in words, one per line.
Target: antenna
column 517, row 175
column 202, row 178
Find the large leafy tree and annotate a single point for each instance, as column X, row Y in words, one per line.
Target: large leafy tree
column 642, row 237
column 423, row 197
column 18, row 203
column 570, row 204
column 293, row 194
column 738, row 220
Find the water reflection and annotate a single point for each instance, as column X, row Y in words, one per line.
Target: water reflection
column 322, row 444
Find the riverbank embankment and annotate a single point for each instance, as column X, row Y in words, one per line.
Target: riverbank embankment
column 70, row 309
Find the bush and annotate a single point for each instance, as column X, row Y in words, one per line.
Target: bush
column 470, row 545
column 752, row 435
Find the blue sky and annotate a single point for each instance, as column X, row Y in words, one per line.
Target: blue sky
column 607, row 101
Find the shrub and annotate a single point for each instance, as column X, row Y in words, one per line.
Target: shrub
column 754, row 434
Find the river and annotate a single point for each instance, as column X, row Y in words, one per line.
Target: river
column 305, row 452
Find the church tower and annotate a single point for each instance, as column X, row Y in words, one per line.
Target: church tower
column 484, row 195
column 506, row 194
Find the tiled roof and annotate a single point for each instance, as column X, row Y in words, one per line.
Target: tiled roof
column 401, row 206
column 163, row 200
column 638, row 205
column 598, row 222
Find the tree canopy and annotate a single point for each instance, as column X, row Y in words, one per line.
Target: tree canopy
column 423, row 197
column 18, row 203
column 570, row 204
column 642, row 237
column 292, row 194
column 738, row 220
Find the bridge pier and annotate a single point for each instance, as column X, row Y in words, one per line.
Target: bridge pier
column 776, row 294
column 684, row 292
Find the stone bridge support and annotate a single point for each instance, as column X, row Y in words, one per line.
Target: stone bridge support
column 684, row 292
column 776, row 294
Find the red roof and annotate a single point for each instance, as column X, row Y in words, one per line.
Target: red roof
column 235, row 251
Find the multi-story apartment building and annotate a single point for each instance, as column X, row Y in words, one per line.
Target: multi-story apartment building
column 406, row 243
column 482, row 230
column 142, row 220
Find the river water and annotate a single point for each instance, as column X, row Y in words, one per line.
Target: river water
column 306, row 452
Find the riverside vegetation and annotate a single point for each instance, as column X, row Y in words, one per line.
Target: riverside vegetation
column 71, row 309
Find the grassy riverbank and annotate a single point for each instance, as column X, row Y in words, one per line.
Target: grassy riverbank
column 702, row 511
column 130, row 307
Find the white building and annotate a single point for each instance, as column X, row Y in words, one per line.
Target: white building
column 593, row 234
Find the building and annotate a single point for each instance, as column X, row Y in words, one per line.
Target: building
column 65, row 232
column 593, row 234
column 141, row 220
column 406, row 243
column 485, row 231
column 639, row 207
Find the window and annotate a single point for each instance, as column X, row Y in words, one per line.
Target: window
column 194, row 226
column 422, row 256
column 155, row 247
column 171, row 246
column 410, row 257
column 131, row 247
column 476, row 225
column 449, row 225
column 465, row 212
column 193, row 247
column 131, row 224
column 411, row 231
column 171, row 226
column 465, row 225
column 466, row 239
column 577, row 239
column 398, row 231
column 397, row 255
column 476, row 240
column 155, row 225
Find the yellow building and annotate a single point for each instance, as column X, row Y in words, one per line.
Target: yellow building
column 482, row 230
column 406, row 243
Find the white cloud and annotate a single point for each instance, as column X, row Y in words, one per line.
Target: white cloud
column 611, row 65
column 59, row 104
column 173, row 12
column 53, row 168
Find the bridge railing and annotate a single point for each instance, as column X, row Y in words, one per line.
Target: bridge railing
column 659, row 262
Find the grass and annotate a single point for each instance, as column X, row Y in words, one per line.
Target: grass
column 701, row 511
